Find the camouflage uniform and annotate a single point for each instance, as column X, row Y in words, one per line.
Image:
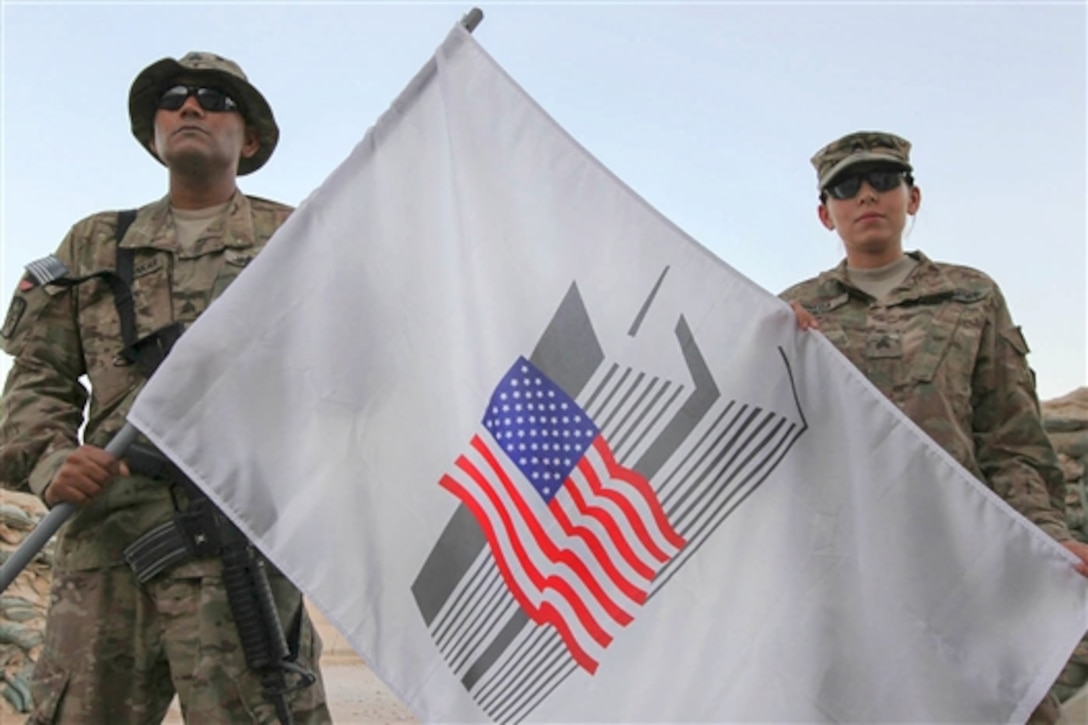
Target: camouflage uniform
column 116, row 651
column 943, row 348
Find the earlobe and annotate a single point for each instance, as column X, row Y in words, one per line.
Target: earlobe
column 252, row 142
column 825, row 217
column 915, row 200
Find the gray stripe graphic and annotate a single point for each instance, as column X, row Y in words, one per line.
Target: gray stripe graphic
column 646, row 305
column 666, row 405
column 458, row 546
column 603, row 387
column 695, row 407
column 636, row 418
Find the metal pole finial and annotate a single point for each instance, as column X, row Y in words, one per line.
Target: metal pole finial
column 472, row 19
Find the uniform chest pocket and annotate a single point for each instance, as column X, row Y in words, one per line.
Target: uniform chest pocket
column 151, row 293
column 233, row 264
column 113, row 375
column 838, row 337
column 938, row 334
column 835, row 335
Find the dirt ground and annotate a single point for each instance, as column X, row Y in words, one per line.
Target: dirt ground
column 356, row 696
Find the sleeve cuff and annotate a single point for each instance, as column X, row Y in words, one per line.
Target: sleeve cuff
column 47, row 468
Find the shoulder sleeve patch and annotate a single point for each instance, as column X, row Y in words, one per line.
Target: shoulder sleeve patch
column 45, row 270
column 11, row 320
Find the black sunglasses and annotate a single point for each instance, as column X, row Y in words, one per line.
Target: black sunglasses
column 210, row 99
column 881, row 180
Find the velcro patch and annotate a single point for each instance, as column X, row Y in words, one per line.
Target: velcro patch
column 15, row 313
column 237, row 259
column 145, row 268
column 46, row 269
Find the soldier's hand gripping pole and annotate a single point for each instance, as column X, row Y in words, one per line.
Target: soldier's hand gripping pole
column 56, row 517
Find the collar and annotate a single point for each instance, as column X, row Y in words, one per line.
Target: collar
column 154, row 227
column 927, row 279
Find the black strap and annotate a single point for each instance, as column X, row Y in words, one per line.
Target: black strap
column 122, row 294
column 146, row 352
column 149, row 351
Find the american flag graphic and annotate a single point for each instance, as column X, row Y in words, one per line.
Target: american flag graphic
column 553, row 550
column 577, row 537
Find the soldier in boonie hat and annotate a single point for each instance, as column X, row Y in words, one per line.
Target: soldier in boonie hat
column 871, row 148
column 143, row 99
column 87, row 326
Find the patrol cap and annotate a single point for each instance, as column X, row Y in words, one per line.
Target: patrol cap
column 143, row 99
column 860, row 147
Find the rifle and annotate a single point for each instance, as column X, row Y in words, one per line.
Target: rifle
column 199, row 530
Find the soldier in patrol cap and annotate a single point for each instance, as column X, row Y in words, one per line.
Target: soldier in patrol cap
column 937, row 339
column 129, row 627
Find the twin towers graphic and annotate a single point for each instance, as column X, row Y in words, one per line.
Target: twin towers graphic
column 686, row 456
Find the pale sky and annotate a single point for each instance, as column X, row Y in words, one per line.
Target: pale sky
column 709, row 111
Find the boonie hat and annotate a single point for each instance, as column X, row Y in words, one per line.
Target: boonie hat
column 860, row 147
column 143, row 100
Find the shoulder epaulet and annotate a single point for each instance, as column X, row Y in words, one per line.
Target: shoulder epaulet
column 262, row 201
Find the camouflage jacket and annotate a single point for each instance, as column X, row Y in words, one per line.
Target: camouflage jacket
column 59, row 335
column 942, row 346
